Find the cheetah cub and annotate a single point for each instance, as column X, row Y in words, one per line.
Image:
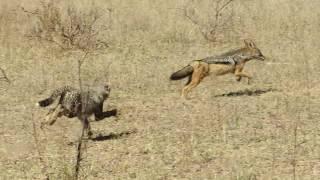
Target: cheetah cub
column 76, row 103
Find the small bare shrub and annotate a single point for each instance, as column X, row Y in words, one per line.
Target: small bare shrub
column 68, row 27
column 218, row 19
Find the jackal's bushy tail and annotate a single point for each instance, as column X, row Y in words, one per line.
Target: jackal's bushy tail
column 184, row 72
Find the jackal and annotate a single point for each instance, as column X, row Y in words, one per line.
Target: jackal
column 229, row 62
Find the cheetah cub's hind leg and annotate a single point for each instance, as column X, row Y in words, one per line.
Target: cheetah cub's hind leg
column 86, row 127
column 53, row 115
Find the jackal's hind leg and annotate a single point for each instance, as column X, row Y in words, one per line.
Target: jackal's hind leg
column 189, row 80
column 197, row 75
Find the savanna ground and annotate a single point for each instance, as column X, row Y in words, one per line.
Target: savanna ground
column 157, row 135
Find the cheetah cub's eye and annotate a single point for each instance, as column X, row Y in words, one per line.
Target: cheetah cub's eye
column 107, row 88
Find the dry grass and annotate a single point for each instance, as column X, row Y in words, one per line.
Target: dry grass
column 158, row 135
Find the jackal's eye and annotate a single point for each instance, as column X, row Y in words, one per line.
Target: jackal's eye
column 241, row 55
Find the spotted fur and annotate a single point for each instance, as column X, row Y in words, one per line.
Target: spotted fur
column 76, row 103
column 72, row 93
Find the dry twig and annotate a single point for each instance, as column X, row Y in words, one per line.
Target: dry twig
column 210, row 31
column 4, row 76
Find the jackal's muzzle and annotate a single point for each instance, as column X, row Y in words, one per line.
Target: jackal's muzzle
column 260, row 56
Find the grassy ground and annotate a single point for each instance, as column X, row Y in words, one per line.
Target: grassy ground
column 158, row 135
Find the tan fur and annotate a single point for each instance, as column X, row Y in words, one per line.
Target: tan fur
column 202, row 69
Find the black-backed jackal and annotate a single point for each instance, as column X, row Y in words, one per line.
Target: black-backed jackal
column 229, row 62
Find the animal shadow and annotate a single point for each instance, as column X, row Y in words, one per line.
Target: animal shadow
column 246, row 92
column 101, row 137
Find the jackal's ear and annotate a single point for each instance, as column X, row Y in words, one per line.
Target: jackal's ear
column 249, row 43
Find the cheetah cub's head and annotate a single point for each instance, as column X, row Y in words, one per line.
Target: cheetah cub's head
column 106, row 91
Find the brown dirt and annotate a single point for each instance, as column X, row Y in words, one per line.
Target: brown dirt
column 158, row 135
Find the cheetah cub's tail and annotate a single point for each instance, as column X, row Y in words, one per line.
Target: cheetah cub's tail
column 55, row 94
column 45, row 102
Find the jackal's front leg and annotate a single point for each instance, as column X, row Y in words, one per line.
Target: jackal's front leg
column 240, row 74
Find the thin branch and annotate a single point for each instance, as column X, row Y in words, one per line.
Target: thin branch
column 5, row 77
column 83, row 119
column 47, row 40
column 295, row 144
column 211, row 30
column 217, row 15
column 83, row 58
column 204, row 34
column 79, row 154
column 224, row 5
column 30, row 12
column 185, row 12
column 38, row 148
column 80, row 62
